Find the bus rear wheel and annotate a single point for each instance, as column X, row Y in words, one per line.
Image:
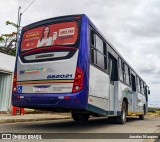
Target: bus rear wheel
column 80, row 116
column 121, row 119
column 141, row 117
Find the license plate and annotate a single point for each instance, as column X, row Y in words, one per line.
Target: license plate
column 41, row 88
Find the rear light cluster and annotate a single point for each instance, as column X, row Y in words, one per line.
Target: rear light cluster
column 14, row 88
column 78, row 80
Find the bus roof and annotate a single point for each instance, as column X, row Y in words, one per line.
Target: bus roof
column 55, row 19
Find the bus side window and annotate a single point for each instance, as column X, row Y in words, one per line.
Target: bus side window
column 133, row 80
column 142, row 87
column 120, row 69
column 124, row 74
column 127, row 74
column 98, row 50
column 138, row 84
column 92, row 48
column 92, row 38
column 146, row 94
column 93, row 56
column 119, row 63
column 105, row 55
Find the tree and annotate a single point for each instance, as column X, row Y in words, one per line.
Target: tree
column 11, row 23
column 1, row 38
column 8, row 41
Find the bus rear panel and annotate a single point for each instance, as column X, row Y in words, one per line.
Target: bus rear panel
column 51, row 67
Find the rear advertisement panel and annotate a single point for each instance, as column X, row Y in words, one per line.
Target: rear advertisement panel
column 54, row 34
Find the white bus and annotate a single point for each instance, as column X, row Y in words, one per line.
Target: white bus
column 66, row 64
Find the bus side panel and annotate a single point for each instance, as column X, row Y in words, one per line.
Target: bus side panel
column 98, row 89
column 83, row 58
column 136, row 100
column 114, row 99
column 140, row 103
column 125, row 92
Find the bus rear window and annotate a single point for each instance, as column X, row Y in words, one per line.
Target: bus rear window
column 54, row 34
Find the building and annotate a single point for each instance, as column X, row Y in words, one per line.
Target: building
column 7, row 64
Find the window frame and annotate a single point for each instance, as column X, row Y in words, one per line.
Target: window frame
column 122, row 72
column 93, row 49
column 138, row 84
column 142, row 86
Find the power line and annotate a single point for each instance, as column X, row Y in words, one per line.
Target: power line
column 28, row 6
column 19, row 19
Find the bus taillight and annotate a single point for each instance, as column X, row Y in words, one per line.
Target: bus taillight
column 14, row 88
column 78, row 80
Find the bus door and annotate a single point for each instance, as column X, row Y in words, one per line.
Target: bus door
column 146, row 98
column 113, row 74
column 134, row 95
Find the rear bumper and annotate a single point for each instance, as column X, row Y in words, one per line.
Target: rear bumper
column 51, row 101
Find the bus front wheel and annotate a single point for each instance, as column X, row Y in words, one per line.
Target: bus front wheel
column 80, row 117
column 121, row 119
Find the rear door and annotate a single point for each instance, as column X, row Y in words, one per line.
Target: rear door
column 113, row 73
column 134, row 95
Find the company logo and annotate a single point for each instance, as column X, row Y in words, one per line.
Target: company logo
column 127, row 91
column 20, row 136
column 66, row 76
column 44, row 55
column 67, row 31
column 29, row 35
column 32, row 71
column 6, row 136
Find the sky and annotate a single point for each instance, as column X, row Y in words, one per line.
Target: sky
column 132, row 26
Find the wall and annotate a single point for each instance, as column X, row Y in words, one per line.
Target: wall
column 7, row 64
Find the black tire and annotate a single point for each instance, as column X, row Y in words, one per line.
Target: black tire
column 80, row 117
column 144, row 108
column 75, row 116
column 123, row 117
column 141, row 117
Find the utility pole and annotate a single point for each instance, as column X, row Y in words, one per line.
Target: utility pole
column 18, row 27
column 19, row 22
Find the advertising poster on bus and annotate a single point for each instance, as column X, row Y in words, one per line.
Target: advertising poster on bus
column 55, row 34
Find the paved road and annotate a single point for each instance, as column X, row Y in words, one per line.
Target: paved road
column 96, row 125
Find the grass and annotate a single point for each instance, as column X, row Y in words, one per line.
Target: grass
column 157, row 113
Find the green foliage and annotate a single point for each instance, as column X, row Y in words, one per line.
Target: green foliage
column 9, row 35
column 11, row 23
column 153, row 108
column 10, row 51
column 9, row 41
column 1, row 38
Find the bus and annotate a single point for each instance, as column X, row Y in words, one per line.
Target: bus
column 66, row 64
